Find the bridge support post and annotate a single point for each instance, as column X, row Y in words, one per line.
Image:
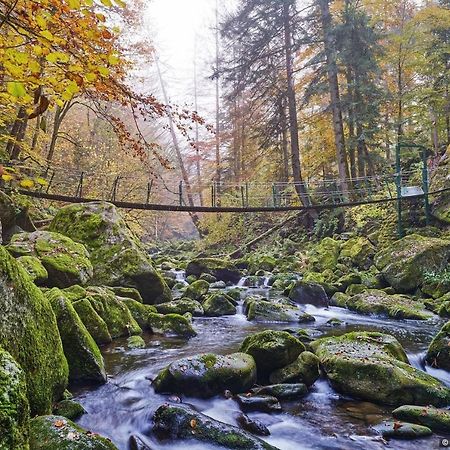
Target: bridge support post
column 180, row 193
column 149, row 191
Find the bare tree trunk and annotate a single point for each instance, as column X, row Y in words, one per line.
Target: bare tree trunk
column 351, row 123
column 434, row 131
column 17, row 134
column 60, row 115
column 197, row 150
column 284, row 140
column 218, row 159
column 34, row 141
column 338, row 126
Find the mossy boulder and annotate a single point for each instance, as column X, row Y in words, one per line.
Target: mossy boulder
column 406, row 262
column 29, row 332
column 434, row 418
column 125, row 292
column 82, row 353
column 307, row 292
column 197, row 290
column 92, row 321
column 181, row 306
column 59, row 433
column 67, row 262
column 263, row 311
column 207, row 375
column 358, row 251
column 75, row 292
column 272, row 350
column 69, row 409
column 135, row 342
column 14, row 407
column 305, row 369
column 219, row 305
column 438, row 354
column 116, row 254
column 374, row 367
column 221, row 269
column 33, row 266
column 114, row 312
column 402, row 430
column 139, row 311
column 325, row 255
column 183, row 422
column 171, row 325
column 284, row 391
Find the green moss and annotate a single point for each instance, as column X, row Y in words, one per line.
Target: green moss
column 182, row 306
column 264, row 311
column 438, row 354
column 171, row 325
column 359, row 251
column 135, row 342
column 38, row 273
column 436, row 419
column 127, row 293
column 139, row 311
column 74, row 293
column 325, row 255
column 197, row 290
column 69, row 409
column 221, row 269
column 28, row 331
column 305, row 369
column 219, row 305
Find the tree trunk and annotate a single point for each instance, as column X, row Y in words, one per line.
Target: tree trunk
column 60, row 115
column 351, row 123
column 218, row 159
column 17, row 134
column 400, row 96
column 284, row 140
column 434, row 131
column 197, row 150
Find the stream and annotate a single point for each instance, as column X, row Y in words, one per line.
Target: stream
column 322, row 420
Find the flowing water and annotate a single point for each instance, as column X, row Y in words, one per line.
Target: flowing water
column 321, row 420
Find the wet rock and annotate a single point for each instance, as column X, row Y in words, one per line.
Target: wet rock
column 56, row 432
column 235, row 294
column 135, row 342
column 305, row 369
column 438, row 354
column 219, row 305
column 263, row 403
column 283, row 391
column 305, row 292
column 139, row 311
column 69, row 409
column 14, row 408
column 405, row 264
column 272, row 350
column 218, row 285
column 402, row 430
column 209, row 278
column 251, row 425
column 181, row 306
column 119, row 259
column 264, row 311
column 183, row 422
column 335, row 322
column 66, row 262
column 136, row 443
column 374, row 367
column 33, row 266
column 359, row 251
column 221, row 269
column 437, row 420
column 197, row 290
column 171, row 325
column 207, row 375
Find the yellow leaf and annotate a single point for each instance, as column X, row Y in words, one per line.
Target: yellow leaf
column 16, row 89
column 6, row 177
column 41, row 22
column 103, row 71
column 47, row 35
column 113, row 60
column 57, row 57
column 91, row 77
column 37, row 50
column 74, row 4
column 120, row 3
column 27, row 184
column 41, row 181
column 107, row 3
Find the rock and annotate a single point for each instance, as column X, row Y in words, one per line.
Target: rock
column 14, row 408
column 305, row 369
column 28, row 331
column 402, row 430
column 333, row 322
column 219, row 305
column 92, row 321
column 183, row 422
column 263, row 311
column 344, row 282
column 66, row 261
column 437, row 285
column 355, row 289
column 136, row 443
column 263, row 403
column 115, row 313
column 74, row 293
column 181, row 306
column 283, row 391
column 171, row 325
column 253, row 426
column 33, row 266
column 305, row 292
column 69, row 409
column 125, row 292
column 139, row 311
column 116, row 254
column 221, row 269
column 218, row 285
column 437, row 420
column 406, row 262
column 197, row 290
column 135, row 342
column 359, row 251
column 272, row 350
column 325, row 255
column 209, row 278
column 208, row 375
column 82, row 353
column 440, row 179
column 375, row 301
column 56, row 432
column 438, row 354
column 374, row 367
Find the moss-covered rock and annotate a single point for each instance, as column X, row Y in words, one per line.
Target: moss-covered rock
column 440, row 179
column 307, row 292
column 207, row 375
column 305, row 369
column 325, row 255
column 125, row 292
column 263, row 311
column 66, row 261
column 402, row 430
column 221, row 269
column 139, row 311
column 82, row 353
column 405, row 263
column 434, row 418
column 135, row 342
column 14, row 408
column 438, row 354
column 33, row 266
column 272, row 350
column 75, row 292
column 183, row 422
column 95, row 325
column 261, row 403
column 28, row 331
column 69, row 409
column 197, row 290
column 359, row 251
column 182, row 306
column 284, row 391
column 171, row 325
column 116, row 254
column 374, row 367
column 59, row 433
column 219, row 305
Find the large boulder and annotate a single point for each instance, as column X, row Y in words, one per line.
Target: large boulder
column 306, row 292
column 305, row 369
column 181, row 306
column 325, row 255
column 14, row 408
column 139, row 311
column 207, row 375
column 183, row 422
column 264, row 311
column 197, row 290
column 219, row 305
column 434, row 418
column 438, row 354
column 406, row 263
column 358, row 251
column 171, row 325
column 67, row 262
column 116, row 254
column 38, row 273
column 272, row 350
column 374, row 367
column 59, row 433
column 82, row 353
column 29, row 332
column 221, row 269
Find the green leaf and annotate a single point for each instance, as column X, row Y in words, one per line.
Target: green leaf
column 16, row 89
